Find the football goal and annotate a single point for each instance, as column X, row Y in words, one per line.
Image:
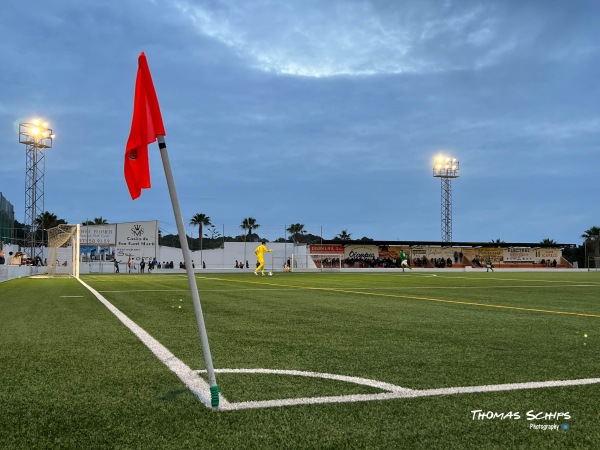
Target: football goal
column 63, row 251
column 312, row 262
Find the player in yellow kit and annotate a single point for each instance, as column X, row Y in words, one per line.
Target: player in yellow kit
column 260, row 255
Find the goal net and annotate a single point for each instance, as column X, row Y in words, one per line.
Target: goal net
column 312, row 262
column 63, row 251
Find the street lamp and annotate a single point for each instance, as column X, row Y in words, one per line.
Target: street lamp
column 37, row 137
column 446, row 168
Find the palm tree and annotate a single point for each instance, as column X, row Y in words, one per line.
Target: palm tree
column 96, row 221
column 344, row 236
column 201, row 220
column 296, row 229
column 249, row 224
column 497, row 241
column 45, row 221
column 592, row 236
column 548, row 241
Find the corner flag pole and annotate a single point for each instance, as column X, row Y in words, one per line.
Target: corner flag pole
column 147, row 127
column 214, row 388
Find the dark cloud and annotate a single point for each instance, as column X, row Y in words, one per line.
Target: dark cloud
column 328, row 114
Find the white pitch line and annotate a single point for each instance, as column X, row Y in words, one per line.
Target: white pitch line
column 197, row 385
column 329, row 376
column 407, row 393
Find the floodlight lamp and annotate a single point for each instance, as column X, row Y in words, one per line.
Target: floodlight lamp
column 52, row 136
column 440, row 158
column 35, row 131
column 36, row 122
column 45, row 124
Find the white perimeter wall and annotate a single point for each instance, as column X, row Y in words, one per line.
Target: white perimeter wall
column 240, row 251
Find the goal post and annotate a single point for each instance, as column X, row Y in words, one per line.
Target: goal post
column 317, row 262
column 63, row 251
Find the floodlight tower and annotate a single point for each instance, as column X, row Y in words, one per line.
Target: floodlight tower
column 446, row 168
column 37, row 137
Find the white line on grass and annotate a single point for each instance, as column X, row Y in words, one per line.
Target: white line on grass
column 397, row 392
column 197, row 385
column 329, row 376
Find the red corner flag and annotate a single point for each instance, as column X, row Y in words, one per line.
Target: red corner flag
column 145, row 126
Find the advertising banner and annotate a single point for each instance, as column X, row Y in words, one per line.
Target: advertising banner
column 519, row 255
column 137, row 240
column 443, row 253
column 361, row 252
column 391, row 252
column 548, row 253
column 92, row 235
column 324, row 248
column 496, row 255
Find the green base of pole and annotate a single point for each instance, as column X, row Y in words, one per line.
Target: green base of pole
column 214, row 396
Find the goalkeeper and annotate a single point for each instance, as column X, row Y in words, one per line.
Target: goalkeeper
column 260, row 256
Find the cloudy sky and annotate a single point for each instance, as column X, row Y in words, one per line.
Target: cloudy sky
column 327, row 114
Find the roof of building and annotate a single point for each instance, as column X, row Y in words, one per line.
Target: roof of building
column 448, row 244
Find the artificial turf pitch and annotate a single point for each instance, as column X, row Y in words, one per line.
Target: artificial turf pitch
column 72, row 376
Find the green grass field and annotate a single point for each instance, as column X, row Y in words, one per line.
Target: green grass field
column 73, row 376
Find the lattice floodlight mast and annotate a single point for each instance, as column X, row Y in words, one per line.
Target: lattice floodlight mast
column 446, row 168
column 37, row 137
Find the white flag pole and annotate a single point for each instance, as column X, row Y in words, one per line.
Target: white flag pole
column 214, row 388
